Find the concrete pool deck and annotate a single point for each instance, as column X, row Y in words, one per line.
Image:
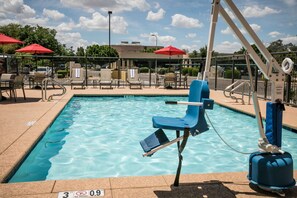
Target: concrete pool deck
column 22, row 123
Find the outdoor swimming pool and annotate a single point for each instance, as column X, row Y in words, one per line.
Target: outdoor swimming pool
column 96, row 137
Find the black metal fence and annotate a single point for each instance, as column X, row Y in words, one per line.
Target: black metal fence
column 228, row 69
column 224, row 70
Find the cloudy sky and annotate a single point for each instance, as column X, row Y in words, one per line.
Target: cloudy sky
column 184, row 24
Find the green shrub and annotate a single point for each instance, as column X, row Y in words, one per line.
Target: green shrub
column 195, row 71
column 62, row 73
column 185, row 70
column 163, row 71
column 228, row 74
column 143, row 70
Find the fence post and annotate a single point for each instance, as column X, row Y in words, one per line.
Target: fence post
column 216, row 74
column 265, row 89
column 150, row 73
column 233, row 65
column 288, row 87
column 86, row 65
column 256, row 79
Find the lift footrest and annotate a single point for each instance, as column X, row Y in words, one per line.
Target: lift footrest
column 156, row 139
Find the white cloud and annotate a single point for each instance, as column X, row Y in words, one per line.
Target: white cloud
column 166, row 40
column 72, row 39
column 189, row 48
column 227, row 47
column 100, row 22
column 256, row 11
column 66, row 26
column 35, row 21
column 151, row 16
column 228, row 30
column 230, row 13
column 191, row 35
column 182, row 21
column 114, row 5
column 54, row 14
column 16, row 8
column 274, row 34
column 255, row 27
column 290, row 2
column 162, row 40
column 290, row 39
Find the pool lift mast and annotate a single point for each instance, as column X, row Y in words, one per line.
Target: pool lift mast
column 271, row 168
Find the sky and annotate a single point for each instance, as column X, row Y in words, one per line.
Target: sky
column 181, row 23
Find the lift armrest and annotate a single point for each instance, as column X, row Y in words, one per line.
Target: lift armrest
column 206, row 103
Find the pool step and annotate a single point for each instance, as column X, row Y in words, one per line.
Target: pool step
column 155, row 140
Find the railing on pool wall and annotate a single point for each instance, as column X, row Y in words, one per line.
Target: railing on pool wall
column 44, row 84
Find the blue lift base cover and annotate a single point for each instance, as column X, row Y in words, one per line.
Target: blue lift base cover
column 274, row 116
column 272, row 171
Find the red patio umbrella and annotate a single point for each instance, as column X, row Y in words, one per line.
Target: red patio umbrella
column 35, row 49
column 170, row 50
column 8, row 40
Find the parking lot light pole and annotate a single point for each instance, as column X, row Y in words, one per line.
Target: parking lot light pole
column 109, row 13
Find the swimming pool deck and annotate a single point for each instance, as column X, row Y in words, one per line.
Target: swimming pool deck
column 22, row 123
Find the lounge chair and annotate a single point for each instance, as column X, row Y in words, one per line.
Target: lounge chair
column 105, row 79
column 192, row 123
column 77, row 78
column 133, row 79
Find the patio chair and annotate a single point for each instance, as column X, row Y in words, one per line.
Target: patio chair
column 133, row 79
column 38, row 78
column 18, row 84
column 105, row 79
column 192, row 123
column 6, row 84
column 77, row 78
column 170, row 78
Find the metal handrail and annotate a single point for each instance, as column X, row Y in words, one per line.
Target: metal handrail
column 238, row 84
column 44, row 89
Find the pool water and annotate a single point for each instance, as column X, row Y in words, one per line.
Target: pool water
column 96, row 137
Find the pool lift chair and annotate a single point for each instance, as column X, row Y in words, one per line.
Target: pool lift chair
column 270, row 168
column 192, row 123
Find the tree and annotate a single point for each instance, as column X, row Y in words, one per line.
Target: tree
column 101, row 51
column 276, row 46
column 241, row 51
column 203, row 51
column 34, row 34
column 194, row 54
column 80, row 51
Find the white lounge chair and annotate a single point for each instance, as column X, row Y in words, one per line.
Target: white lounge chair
column 77, row 78
column 133, row 79
column 105, row 79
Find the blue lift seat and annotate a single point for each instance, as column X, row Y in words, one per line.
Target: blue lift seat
column 194, row 119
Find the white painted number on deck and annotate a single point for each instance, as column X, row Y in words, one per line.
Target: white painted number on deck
column 81, row 193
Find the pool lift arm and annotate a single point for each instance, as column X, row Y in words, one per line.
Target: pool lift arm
column 276, row 74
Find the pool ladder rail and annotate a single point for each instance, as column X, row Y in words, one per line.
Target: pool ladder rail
column 44, row 85
column 231, row 89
